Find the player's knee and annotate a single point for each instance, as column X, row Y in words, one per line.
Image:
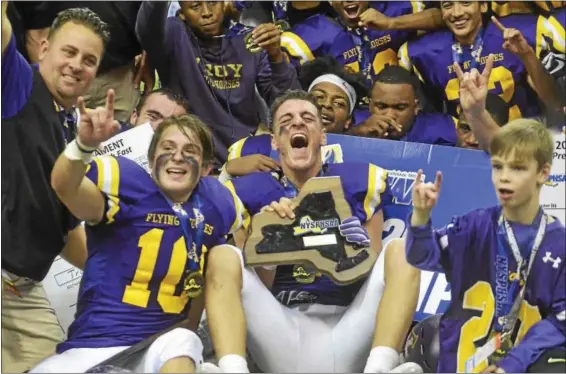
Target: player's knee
column 224, row 263
column 396, row 245
column 173, row 344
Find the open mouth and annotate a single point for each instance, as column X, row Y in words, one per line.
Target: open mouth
column 352, row 10
column 505, row 193
column 327, row 119
column 299, row 141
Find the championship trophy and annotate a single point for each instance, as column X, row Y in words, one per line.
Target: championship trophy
column 313, row 238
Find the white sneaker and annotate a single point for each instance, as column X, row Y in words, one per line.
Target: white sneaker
column 408, row 367
column 208, row 367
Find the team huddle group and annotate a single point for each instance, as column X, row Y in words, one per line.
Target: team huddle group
column 240, row 82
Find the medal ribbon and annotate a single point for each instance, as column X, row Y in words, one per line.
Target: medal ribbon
column 184, row 220
column 362, row 42
column 460, row 54
column 508, row 298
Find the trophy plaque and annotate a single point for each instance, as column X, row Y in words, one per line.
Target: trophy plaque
column 313, row 237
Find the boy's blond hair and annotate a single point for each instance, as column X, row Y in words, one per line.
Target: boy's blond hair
column 525, row 139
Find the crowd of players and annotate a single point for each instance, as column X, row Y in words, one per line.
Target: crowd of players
column 463, row 74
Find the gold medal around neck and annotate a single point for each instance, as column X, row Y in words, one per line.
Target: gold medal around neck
column 194, row 284
column 251, row 45
column 282, row 25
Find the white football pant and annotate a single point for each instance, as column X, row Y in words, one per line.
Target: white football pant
column 178, row 342
column 310, row 337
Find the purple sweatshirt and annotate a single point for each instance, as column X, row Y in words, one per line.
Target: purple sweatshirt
column 466, row 250
column 217, row 76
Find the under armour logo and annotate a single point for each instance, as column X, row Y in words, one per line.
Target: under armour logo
column 555, row 261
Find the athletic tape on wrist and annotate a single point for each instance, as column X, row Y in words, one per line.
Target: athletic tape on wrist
column 76, row 152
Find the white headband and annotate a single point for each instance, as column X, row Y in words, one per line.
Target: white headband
column 341, row 83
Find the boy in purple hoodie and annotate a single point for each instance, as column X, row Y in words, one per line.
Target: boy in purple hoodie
column 505, row 264
column 203, row 56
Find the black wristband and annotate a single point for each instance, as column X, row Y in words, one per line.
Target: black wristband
column 82, row 149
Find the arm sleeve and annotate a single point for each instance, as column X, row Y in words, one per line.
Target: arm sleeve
column 377, row 189
column 549, row 36
column 17, row 80
column 104, row 171
column 151, row 30
column 251, row 145
column 235, row 151
column 309, row 39
column 365, row 187
column 558, row 35
column 403, row 55
column 296, row 48
column 240, row 208
column 237, row 216
column 255, row 191
column 432, row 250
column 273, row 79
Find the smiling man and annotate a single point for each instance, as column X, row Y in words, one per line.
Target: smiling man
column 310, row 325
column 361, row 49
column 336, row 92
column 148, row 241
column 38, row 118
column 516, row 43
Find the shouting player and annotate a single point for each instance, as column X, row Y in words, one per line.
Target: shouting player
column 505, row 263
column 298, row 320
column 148, row 239
column 336, row 92
column 516, row 44
column 361, row 49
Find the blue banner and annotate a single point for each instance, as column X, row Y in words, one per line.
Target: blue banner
column 466, row 185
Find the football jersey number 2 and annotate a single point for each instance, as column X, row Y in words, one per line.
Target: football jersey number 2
column 500, row 75
column 138, row 293
column 480, row 298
